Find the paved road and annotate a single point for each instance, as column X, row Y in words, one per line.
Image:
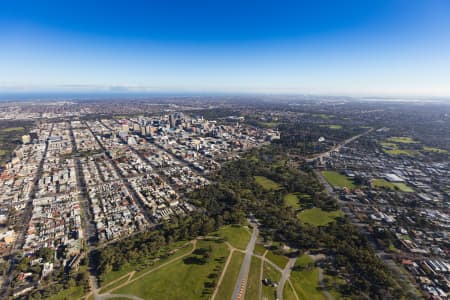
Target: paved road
column 25, row 219
column 131, row 192
column 241, row 282
column 337, row 147
column 285, row 276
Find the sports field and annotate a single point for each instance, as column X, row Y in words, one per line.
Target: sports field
column 318, row 217
column 382, row 183
column 337, row 179
column 402, row 139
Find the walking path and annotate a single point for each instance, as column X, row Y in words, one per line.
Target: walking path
column 285, row 276
column 96, row 290
column 225, row 267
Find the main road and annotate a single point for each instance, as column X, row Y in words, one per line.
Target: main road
column 241, row 282
column 337, row 147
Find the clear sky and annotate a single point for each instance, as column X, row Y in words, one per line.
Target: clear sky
column 363, row 47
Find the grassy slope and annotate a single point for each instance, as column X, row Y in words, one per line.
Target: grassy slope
column 279, row 260
column 180, row 280
column 227, row 287
column 237, row 236
column 306, row 281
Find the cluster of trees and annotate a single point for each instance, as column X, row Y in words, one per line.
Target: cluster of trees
column 235, row 194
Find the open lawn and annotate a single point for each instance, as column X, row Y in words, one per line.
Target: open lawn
column 337, row 179
column 266, row 183
column 237, row 236
column 306, row 281
column 288, row 293
column 269, row 272
column 401, row 152
column 433, row 149
column 402, row 139
column 387, row 145
column 259, row 249
column 148, row 265
column 333, row 126
column 279, row 260
column 382, row 183
column 253, row 279
column 304, row 260
column 11, row 129
column 189, row 278
column 318, row 217
column 227, row 287
column 74, row 293
column 291, row 200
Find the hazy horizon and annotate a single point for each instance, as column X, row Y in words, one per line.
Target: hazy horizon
column 356, row 48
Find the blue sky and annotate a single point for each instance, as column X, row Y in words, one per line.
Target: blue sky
column 314, row 47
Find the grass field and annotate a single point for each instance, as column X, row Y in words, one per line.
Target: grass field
column 318, row 217
column 269, row 272
column 288, row 293
column 292, row 201
column 401, row 152
column 237, row 236
column 382, row 183
column 74, row 293
column 334, row 126
column 187, row 278
column 336, row 179
column 304, row 260
column 259, row 249
column 433, row 149
column 110, row 276
column 227, row 287
column 11, row 129
column 266, row 183
column 402, row 140
column 279, row 260
column 253, row 279
column 306, row 281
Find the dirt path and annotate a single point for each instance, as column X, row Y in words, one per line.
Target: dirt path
column 225, row 267
column 285, row 276
column 261, row 276
column 194, row 243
